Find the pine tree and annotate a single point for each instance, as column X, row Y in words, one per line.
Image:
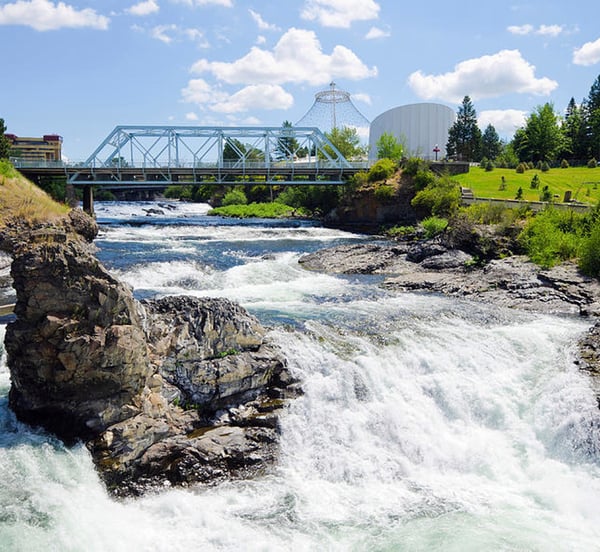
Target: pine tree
column 544, row 137
column 287, row 145
column 464, row 136
column 593, row 119
column 491, row 146
column 574, row 132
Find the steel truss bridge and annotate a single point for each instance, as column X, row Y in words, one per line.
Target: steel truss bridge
column 146, row 157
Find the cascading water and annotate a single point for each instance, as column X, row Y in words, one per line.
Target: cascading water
column 426, row 423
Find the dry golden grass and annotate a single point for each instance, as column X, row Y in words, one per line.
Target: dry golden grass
column 19, row 198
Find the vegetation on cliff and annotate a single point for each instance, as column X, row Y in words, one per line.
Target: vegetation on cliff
column 19, row 198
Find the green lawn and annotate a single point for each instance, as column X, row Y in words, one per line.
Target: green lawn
column 583, row 182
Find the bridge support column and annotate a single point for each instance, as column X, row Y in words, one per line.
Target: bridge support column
column 88, row 200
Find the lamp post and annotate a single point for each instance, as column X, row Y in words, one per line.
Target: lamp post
column 436, row 150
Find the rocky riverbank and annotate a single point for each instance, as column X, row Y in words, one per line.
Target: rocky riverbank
column 513, row 282
column 177, row 391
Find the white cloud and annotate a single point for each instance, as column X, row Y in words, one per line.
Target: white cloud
column 296, row 58
column 543, row 30
column 174, row 33
column 262, row 24
column 255, row 96
column 505, row 72
column 588, row 54
column 365, row 98
column 505, row 121
column 520, row 29
column 43, row 15
column 144, row 8
column 376, row 32
column 340, row 13
column 258, row 96
column 194, row 3
column 260, row 39
column 191, row 116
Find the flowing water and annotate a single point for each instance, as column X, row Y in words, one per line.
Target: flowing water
column 427, row 423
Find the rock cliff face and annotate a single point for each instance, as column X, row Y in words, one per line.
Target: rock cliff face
column 178, row 390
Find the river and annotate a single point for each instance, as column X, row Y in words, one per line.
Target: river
column 426, row 424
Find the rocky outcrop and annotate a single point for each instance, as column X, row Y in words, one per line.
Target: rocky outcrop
column 174, row 391
column 431, row 266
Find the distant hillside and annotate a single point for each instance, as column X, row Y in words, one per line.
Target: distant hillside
column 23, row 199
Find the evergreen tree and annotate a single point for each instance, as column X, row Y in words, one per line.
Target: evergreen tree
column 544, row 138
column 464, row 136
column 287, row 146
column 593, row 119
column 347, row 142
column 574, row 133
column 4, row 142
column 491, row 146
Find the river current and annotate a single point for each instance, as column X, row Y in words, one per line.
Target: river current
column 426, row 424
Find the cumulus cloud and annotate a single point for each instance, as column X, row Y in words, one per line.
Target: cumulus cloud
column 256, row 96
column 340, row 13
column 360, row 97
column 296, row 58
column 43, row 15
column 191, row 116
column 588, row 54
column 262, row 24
column 505, row 72
column 144, row 8
column 542, row 30
column 376, row 32
column 505, row 121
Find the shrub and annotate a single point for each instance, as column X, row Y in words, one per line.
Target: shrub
column 521, row 168
column 234, row 197
column 483, row 162
column 519, row 194
column 441, row 198
column 546, row 194
column 489, row 166
column 400, row 231
column 434, row 226
column 552, row 237
column 385, row 192
column 592, row 163
column 360, row 179
column 413, row 165
column 535, row 182
column 564, row 164
column 381, row 170
column 544, row 167
column 529, row 166
column 422, row 179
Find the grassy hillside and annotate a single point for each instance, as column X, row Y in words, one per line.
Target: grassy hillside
column 20, row 198
column 583, row 182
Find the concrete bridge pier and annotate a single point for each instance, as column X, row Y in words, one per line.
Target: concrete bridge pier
column 88, row 200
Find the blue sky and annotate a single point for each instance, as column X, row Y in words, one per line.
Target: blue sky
column 78, row 68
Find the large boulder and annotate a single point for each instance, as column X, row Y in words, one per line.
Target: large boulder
column 177, row 390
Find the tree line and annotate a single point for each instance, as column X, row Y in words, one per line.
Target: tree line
column 546, row 136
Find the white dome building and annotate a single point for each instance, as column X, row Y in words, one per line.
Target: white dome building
column 418, row 127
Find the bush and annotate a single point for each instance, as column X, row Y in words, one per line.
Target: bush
column 564, row 164
column 234, row 197
column 592, row 163
column 545, row 167
column 521, row 168
column 381, row 170
column 413, row 165
column 519, row 194
column 441, row 198
column 401, row 231
column 546, row 194
column 552, row 237
column 529, row 166
column 422, row 179
column 535, row 182
column 385, row 192
column 434, row 226
column 489, row 166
